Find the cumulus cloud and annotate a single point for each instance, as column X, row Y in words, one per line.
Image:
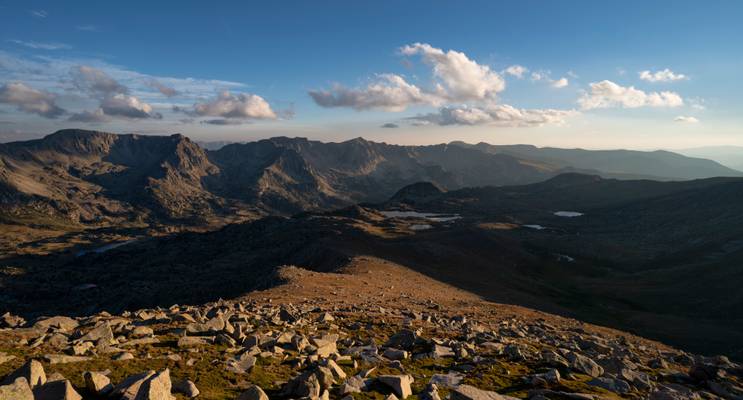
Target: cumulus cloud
column 96, row 81
column 665, row 75
column 30, row 100
column 95, row 116
column 389, row 92
column 123, row 105
column 516, row 70
column 232, row 108
column 166, row 90
column 686, row 119
column 560, row 83
column 40, row 45
column 500, row 115
column 459, row 77
column 456, row 78
column 545, row 76
column 39, row 13
column 607, row 94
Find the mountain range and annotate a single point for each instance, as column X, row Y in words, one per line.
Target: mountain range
column 97, row 178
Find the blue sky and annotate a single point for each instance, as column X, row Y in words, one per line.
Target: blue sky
column 401, row 72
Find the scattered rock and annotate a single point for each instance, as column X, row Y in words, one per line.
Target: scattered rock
column 18, row 389
column 467, row 392
column 400, row 384
column 253, row 393
column 56, row 390
column 32, row 371
column 97, row 383
column 186, row 388
column 584, row 365
column 63, row 359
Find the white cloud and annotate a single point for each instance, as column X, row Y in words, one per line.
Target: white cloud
column 53, row 74
column 607, row 94
column 458, row 77
column 232, row 107
column 40, row 45
column 30, row 100
column 95, row 81
column 389, row 92
column 96, row 116
column 500, row 115
column 123, row 105
column 560, row 83
column 665, row 75
column 539, row 76
column 517, row 71
column 166, row 90
column 39, row 13
column 686, row 119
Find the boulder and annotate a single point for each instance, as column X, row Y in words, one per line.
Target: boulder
column 431, row 392
column 253, row 393
column 400, row 384
column 65, row 324
column 584, row 365
column 212, row 326
column 97, row 383
column 56, row 390
column 241, row 364
column 9, row 320
column 157, row 387
column 612, row 385
column 186, row 388
column 100, row 332
column 147, row 386
column 63, row 359
column 404, row 339
column 395, row 354
column 467, row 392
column 141, row 331
column 18, row 389
column 32, row 371
column 129, row 387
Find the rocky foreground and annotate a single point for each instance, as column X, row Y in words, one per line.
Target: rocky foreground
column 363, row 334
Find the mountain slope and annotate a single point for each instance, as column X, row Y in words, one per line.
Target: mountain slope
column 92, row 177
column 103, row 179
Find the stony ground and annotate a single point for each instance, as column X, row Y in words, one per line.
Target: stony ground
column 374, row 330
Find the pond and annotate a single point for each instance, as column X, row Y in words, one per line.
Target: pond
column 415, row 214
column 568, row 214
column 104, row 248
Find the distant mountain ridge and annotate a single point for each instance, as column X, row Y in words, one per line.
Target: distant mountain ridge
column 624, row 164
column 101, row 178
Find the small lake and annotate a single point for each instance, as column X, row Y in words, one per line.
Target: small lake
column 104, row 248
column 537, row 227
column 415, row 214
column 420, row 227
column 568, row 214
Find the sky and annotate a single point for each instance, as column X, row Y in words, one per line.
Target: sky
column 630, row 74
